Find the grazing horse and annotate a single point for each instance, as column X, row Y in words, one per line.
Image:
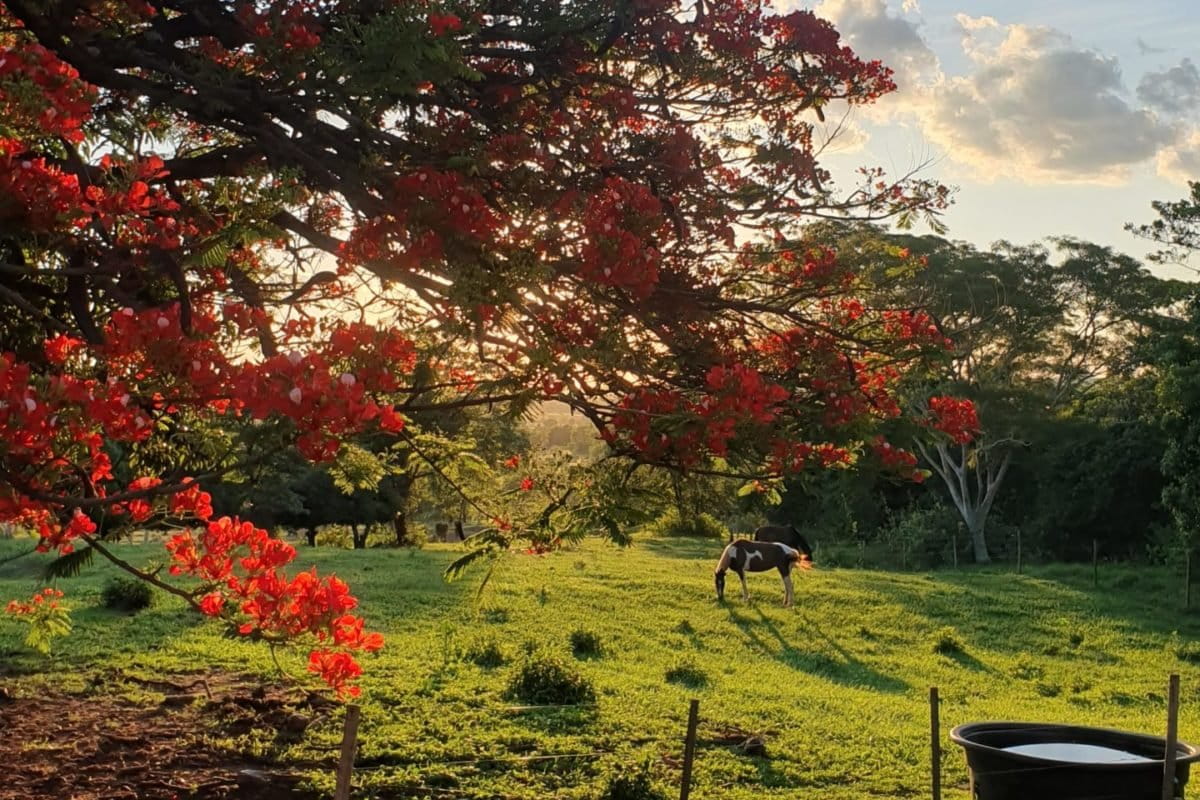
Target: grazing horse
column 784, row 534
column 744, row 555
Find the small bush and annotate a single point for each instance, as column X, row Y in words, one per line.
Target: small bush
column 947, row 643
column 586, row 644
column 486, row 653
column 702, row 525
column 633, row 785
column 545, row 680
column 1027, row 671
column 686, row 673
column 126, row 594
column 1076, row 639
column 495, row 615
column 384, row 535
column 1048, row 689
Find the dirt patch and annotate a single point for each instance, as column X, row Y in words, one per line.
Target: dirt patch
column 99, row 746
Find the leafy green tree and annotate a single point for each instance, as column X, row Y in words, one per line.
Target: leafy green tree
column 1033, row 331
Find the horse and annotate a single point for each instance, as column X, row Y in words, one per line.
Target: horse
column 744, row 555
column 784, row 534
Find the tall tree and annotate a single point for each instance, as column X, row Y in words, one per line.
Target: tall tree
column 1030, row 332
column 1177, row 229
column 297, row 219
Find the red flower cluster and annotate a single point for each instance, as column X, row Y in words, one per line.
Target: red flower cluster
column 914, row 325
column 241, row 569
column 788, row 456
column 954, row 417
column 37, row 195
column 898, row 459
column 736, row 397
column 620, row 223
column 291, row 24
column 444, row 23
column 47, row 598
column 59, row 101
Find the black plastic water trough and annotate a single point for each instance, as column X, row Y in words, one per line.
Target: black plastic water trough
column 1038, row 761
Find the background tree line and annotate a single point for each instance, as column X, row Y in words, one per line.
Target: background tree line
column 1084, row 365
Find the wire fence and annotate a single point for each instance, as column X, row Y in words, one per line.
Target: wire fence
column 973, row 776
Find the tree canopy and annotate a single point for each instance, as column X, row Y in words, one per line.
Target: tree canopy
column 233, row 227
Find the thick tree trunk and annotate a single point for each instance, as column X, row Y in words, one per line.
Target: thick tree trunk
column 973, row 477
column 311, row 535
column 360, row 542
column 458, row 529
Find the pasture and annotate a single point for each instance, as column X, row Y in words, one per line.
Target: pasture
column 836, row 686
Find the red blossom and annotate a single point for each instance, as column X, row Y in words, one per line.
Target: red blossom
column 444, row 23
column 955, row 417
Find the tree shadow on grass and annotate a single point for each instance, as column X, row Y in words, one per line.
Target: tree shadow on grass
column 840, row 666
column 557, row 720
column 683, row 547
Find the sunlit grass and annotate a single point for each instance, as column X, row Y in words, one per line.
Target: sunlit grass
column 838, row 684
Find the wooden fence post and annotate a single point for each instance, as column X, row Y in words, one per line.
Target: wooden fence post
column 689, row 749
column 346, row 762
column 935, row 744
column 1168, row 784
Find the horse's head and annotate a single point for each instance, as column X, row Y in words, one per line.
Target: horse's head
column 719, row 580
column 802, row 545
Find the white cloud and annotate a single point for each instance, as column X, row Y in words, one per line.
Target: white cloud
column 1035, row 106
column 873, row 33
column 1172, row 91
column 1181, row 162
column 1032, row 105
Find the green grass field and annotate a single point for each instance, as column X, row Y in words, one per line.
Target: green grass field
column 838, row 684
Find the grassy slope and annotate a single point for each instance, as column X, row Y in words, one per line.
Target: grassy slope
column 841, row 679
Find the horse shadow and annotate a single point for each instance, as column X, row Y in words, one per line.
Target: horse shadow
column 840, row 666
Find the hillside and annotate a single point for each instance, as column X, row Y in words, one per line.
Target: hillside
column 838, row 685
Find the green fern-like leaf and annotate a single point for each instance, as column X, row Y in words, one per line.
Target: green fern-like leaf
column 70, row 565
column 459, row 566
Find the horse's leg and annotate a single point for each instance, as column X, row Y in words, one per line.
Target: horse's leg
column 745, row 591
column 787, row 590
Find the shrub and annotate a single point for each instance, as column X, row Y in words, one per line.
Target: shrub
column 384, row 535
column 545, row 680
column 1026, row 670
column 586, row 644
column 632, row 785
column 126, row 594
column 702, row 525
column 686, row 673
column 919, row 538
column 486, row 653
column 495, row 615
column 947, row 643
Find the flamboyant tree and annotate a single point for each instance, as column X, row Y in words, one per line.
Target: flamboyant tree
column 286, row 223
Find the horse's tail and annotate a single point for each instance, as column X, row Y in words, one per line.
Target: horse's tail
column 726, row 557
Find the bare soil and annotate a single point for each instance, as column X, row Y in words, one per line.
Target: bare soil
column 102, row 746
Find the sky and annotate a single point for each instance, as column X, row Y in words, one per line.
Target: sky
column 1051, row 117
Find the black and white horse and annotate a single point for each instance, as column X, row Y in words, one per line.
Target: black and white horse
column 784, row 534
column 744, row 556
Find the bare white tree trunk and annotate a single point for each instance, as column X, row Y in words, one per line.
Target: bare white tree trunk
column 973, row 476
